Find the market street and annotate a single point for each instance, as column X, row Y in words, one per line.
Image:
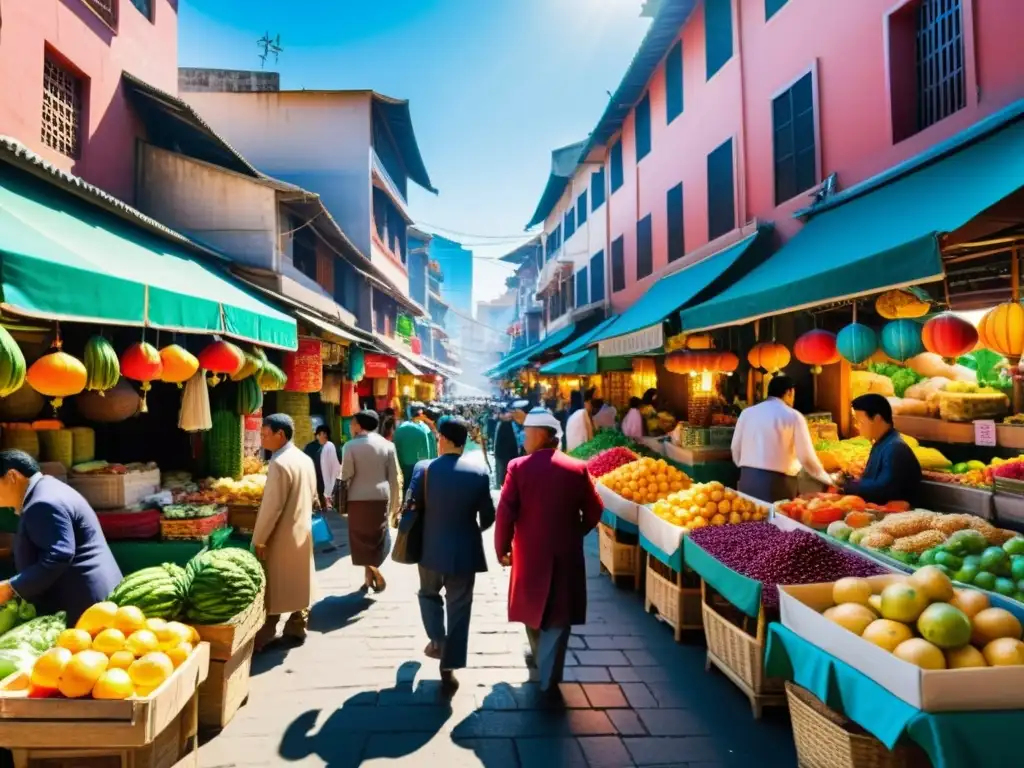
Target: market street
column 360, row 692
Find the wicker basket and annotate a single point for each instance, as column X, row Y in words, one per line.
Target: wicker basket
column 192, row 529
column 674, row 596
column 738, row 653
column 83, row 444
column 56, row 445
column 826, row 739
column 619, row 559
column 26, row 440
column 116, row 491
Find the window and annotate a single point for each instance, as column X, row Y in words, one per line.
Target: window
column 304, row 251
column 643, row 127
column 771, row 7
column 570, row 223
column 62, row 109
column 145, row 8
column 717, row 34
column 676, row 241
column 796, row 164
column 644, row 248
column 596, row 190
column 582, row 288
column 581, row 209
column 105, row 9
column 618, row 264
column 674, row 82
column 615, row 162
column 597, row 277
column 721, row 200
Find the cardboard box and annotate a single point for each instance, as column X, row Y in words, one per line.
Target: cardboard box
column 932, row 691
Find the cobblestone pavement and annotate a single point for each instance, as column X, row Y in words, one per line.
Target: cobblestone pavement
column 361, row 693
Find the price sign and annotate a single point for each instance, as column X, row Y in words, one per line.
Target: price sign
column 985, row 433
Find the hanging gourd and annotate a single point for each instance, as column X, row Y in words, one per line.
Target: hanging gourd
column 251, row 368
column 1002, row 330
column 949, row 336
column 57, row 375
column 12, row 364
column 816, row 348
column 141, row 362
column 856, row 343
column 902, row 304
column 179, row 365
column 221, row 358
column 272, row 378
column 769, row 356
column 901, row 340
column 102, row 368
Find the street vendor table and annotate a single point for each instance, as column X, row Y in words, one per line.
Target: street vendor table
column 951, row 739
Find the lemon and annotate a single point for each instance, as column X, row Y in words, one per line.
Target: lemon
column 121, row 660
column 151, row 670
column 155, row 625
column 74, row 640
column 114, row 685
column 109, row 641
column 128, row 619
column 142, row 642
column 179, row 654
column 47, row 670
column 97, row 617
column 174, row 635
column 81, row 673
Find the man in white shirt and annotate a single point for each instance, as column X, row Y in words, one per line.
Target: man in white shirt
column 580, row 426
column 330, row 465
column 771, row 443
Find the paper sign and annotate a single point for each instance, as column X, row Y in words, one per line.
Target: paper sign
column 985, row 433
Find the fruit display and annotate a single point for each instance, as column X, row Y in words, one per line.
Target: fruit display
column 908, row 535
column 851, row 455
column 190, row 511
column 102, row 367
column 822, row 511
column 705, row 504
column 159, row 591
column 222, row 584
column 248, row 490
column 603, row 441
column 22, row 644
column 646, row 480
column 606, row 461
column 107, row 468
column 224, row 445
column 768, row 554
column 924, row 620
column 968, row 558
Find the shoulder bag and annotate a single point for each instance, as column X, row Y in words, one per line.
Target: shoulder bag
column 408, row 547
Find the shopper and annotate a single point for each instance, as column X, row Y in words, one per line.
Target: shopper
column 369, row 470
column 283, row 534
column 509, row 438
column 548, row 505
column 771, row 443
column 580, row 427
column 605, row 415
column 454, row 496
column 893, row 472
column 413, row 441
column 633, row 421
column 325, row 459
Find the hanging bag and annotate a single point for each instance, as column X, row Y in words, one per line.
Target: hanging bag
column 408, row 547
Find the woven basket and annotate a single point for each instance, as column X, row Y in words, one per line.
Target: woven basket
column 618, row 558
column 293, row 403
column 21, row 405
column 83, row 444
column 193, row 529
column 677, row 605
column 826, row 739
column 303, row 430
column 26, row 440
column 57, row 445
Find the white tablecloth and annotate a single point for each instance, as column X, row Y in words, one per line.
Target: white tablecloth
column 622, row 508
column 662, row 534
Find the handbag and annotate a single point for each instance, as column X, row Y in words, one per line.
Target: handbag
column 321, row 531
column 341, row 496
column 408, row 547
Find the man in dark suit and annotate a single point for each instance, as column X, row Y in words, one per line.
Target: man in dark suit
column 61, row 555
column 453, row 494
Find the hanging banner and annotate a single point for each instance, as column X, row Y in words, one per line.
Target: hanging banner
column 251, row 428
column 644, row 340
column 380, row 366
column 304, row 367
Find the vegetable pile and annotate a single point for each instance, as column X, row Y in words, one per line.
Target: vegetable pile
column 609, row 460
column 907, row 535
column 967, row 558
column 902, row 378
column 772, row 556
column 604, row 440
column 21, row 646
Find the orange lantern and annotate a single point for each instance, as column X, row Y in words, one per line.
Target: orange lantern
column 179, row 365
column 769, row 355
column 221, row 358
column 141, row 362
column 680, row 363
column 700, row 341
column 304, row 368
column 57, row 375
column 816, row 348
column 728, row 362
column 1002, row 330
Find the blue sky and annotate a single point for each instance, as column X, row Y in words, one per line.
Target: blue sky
column 494, row 85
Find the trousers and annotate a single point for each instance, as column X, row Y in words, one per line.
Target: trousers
column 458, row 601
column 549, row 647
column 766, row 485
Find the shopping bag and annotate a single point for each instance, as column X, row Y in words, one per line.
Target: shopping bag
column 321, row 531
column 408, row 547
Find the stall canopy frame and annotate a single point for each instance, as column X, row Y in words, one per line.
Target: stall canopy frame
column 582, row 363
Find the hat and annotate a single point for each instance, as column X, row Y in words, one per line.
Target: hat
column 542, row 417
column 519, row 405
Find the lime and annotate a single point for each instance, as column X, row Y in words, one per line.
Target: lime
column 1005, row 586
column 960, row 468
column 966, row 574
column 949, row 560
column 928, row 557
column 1015, row 546
column 975, row 464
column 974, row 560
column 985, row 580
column 993, row 558
column 1017, row 567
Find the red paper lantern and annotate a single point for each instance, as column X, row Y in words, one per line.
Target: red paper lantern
column 680, row 363
column 768, row 355
column 816, row 348
column 142, row 362
column 728, row 362
column 304, row 368
column 949, row 336
column 221, row 358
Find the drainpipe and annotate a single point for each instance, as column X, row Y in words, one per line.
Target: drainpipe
column 742, row 148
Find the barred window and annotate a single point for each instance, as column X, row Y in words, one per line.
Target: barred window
column 145, row 7
column 106, row 10
column 941, row 86
column 62, row 109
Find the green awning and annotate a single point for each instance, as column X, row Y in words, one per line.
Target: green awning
column 700, row 280
column 885, row 238
column 64, row 259
column 587, row 338
column 520, row 359
column 582, row 363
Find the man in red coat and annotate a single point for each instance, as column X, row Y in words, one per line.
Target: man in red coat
column 548, row 505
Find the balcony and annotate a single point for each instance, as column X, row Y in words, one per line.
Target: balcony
column 383, row 180
column 434, row 286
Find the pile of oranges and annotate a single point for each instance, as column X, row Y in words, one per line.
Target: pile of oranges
column 646, row 480
column 708, row 504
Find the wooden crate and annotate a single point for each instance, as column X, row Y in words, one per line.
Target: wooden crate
column 242, row 517
column 675, row 596
column 226, row 689
column 116, row 491
column 229, row 638
column 738, row 653
column 619, row 559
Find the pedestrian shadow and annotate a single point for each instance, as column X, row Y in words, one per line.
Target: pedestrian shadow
column 336, row 612
column 364, row 727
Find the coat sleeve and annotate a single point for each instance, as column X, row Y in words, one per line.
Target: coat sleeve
column 348, row 463
column 275, row 496
column 486, row 507
column 51, row 532
column 593, row 507
column 507, row 514
column 394, row 477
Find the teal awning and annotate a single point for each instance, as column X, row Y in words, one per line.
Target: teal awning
column 515, row 362
column 582, row 363
column 689, row 284
column 64, row 259
column 587, row 338
column 884, row 238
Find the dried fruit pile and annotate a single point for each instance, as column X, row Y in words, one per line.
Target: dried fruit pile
column 607, row 461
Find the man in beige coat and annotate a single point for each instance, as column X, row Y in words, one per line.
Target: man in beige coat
column 283, row 536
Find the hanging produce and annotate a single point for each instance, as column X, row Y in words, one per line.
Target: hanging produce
column 901, row 339
column 252, row 367
column 103, row 369
column 57, row 375
column 856, row 343
column 817, row 348
column 221, row 358
column 903, row 303
column 304, row 368
column 179, row 365
column 12, row 364
column 272, row 378
column 141, row 362
column 949, row 336
column 195, row 405
column 250, row 396
column 769, row 356
column 356, row 365
column 1002, row 330
column 116, row 404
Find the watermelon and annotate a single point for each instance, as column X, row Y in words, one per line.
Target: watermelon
column 159, row 591
column 222, row 584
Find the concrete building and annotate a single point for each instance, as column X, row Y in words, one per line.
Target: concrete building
column 527, row 321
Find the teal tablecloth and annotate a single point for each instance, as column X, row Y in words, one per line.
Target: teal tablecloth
column 741, row 591
column 673, row 560
column 951, row 739
column 616, row 523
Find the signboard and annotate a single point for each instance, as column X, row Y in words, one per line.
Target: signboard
column 251, row 426
column 644, row 340
column 379, row 366
column 985, row 433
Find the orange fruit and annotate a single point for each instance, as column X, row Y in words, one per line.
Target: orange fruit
column 121, row 660
column 129, row 619
column 179, row 653
column 74, row 640
column 142, row 642
column 109, row 641
column 97, row 617
column 113, row 685
column 48, row 668
column 82, row 673
column 151, row 670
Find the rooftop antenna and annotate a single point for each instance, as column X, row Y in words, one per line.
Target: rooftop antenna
column 269, row 46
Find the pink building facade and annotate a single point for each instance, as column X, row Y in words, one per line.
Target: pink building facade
column 60, row 75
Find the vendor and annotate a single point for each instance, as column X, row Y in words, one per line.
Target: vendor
column 893, row 472
column 60, row 553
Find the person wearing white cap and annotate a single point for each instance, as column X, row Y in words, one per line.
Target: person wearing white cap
column 548, row 505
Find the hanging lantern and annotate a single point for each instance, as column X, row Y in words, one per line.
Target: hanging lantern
column 179, row 365
column 680, row 363
column 769, row 355
column 221, row 358
column 949, row 336
column 700, row 341
column 816, row 348
column 57, row 375
column 902, row 304
column 856, row 343
column 901, row 339
column 304, row 368
column 1002, row 330
column 102, row 368
column 141, row 362
column 728, row 362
